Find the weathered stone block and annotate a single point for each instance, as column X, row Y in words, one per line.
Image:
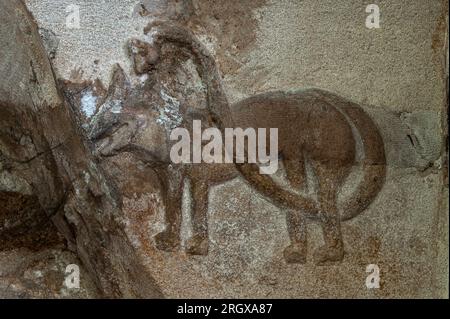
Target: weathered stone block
column 361, row 115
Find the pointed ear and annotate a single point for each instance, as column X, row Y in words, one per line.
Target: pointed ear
column 118, row 76
column 120, row 84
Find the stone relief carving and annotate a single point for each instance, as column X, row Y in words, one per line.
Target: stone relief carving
column 319, row 134
column 89, row 183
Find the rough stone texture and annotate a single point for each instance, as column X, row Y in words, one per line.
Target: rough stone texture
column 397, row 74
column 28, row 274
column 47, row 168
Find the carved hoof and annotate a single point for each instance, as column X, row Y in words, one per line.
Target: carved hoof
column 197, row 245
column 326, row 254
column 295, row 254
column 166, row 241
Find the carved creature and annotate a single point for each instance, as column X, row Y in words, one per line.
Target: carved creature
column 315, row 128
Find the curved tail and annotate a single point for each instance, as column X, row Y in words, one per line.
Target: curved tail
column 374, row 162
column 373, row 165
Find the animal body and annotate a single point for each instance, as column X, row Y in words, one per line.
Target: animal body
column 315, row 127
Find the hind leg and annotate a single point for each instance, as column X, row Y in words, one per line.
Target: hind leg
column 295, row 172
column 172, row 191
column 198, row 243
column 296, row 225
column 330, row 178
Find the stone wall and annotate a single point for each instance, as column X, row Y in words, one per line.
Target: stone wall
column 397, row 73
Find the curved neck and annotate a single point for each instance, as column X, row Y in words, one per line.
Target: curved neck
column 217, row 102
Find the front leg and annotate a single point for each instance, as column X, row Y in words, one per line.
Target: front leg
column 172, row 191
column 198, row 243
column 296, row 225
